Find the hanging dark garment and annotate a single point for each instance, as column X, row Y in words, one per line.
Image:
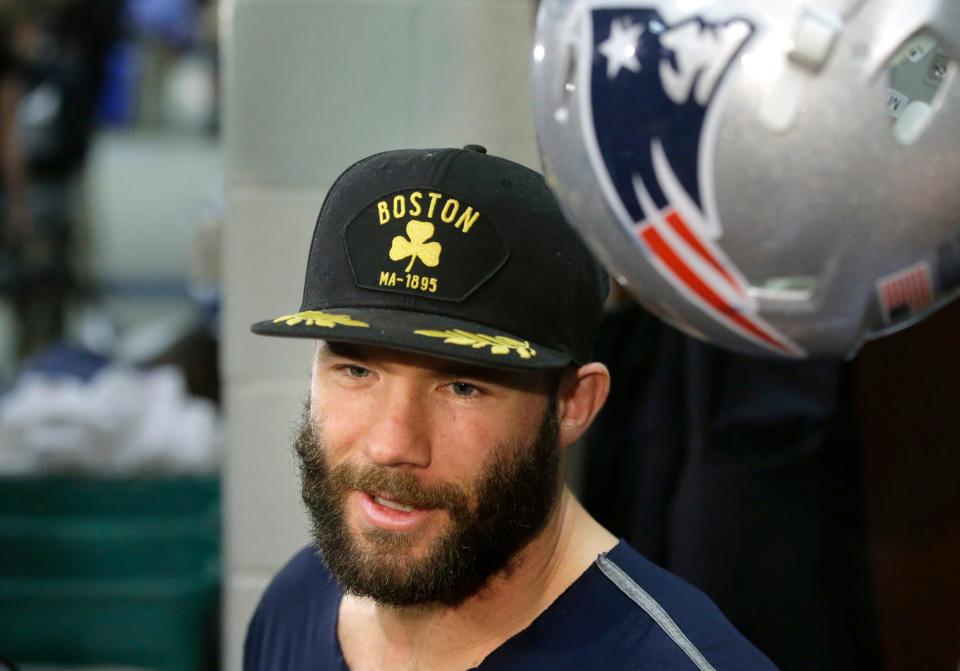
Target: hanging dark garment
column 741, row 475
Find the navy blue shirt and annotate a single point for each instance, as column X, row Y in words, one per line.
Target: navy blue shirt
column 622, row 613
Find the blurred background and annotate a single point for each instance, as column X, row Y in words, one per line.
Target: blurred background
column 110, row 426
column 164, row 159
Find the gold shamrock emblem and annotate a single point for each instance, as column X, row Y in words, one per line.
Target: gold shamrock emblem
column 497, row 344
column 417, row 246
column 316, row 318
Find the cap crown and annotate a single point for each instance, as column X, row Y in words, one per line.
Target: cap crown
column 455, row 234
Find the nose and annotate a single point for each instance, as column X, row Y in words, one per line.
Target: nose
column 399, row 432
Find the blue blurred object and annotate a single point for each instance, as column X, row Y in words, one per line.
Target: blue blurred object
column 172, row 21
column 117, row 104
column 61, row 359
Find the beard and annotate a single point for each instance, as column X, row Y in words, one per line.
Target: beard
column 509, row 505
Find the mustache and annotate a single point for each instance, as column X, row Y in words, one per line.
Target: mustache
column 397, row 486
column 400, row 486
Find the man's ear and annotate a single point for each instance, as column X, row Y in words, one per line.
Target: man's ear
column 582, row 393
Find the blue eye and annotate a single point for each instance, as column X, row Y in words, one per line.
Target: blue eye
column 357, row 371
column 464, row 389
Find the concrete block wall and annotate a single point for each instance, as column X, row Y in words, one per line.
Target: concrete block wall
column 310, row 87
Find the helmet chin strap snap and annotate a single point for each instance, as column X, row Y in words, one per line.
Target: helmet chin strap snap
column 814, row 36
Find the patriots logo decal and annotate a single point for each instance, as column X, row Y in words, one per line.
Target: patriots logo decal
column 651, row 101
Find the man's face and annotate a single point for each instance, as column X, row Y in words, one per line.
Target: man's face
column 424, row 479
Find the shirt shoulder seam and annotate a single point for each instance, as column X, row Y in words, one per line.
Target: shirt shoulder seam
column 652, row 607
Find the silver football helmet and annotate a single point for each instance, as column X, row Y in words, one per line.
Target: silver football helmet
column 774, row 177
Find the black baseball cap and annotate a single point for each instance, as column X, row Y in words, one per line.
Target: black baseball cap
column 453, row 253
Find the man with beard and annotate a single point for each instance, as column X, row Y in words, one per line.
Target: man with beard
column 454, row 313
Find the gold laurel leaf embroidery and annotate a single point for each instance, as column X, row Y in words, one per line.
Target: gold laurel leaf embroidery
column 459, row 340
column 497, row 344
column 417, row 246
column 316, row 318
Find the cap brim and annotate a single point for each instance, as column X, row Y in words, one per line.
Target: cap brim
column 424, row 333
